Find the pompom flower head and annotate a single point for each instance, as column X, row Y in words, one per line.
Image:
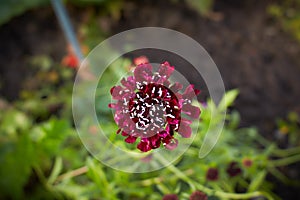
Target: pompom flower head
column 198, row 195
column 148, row 107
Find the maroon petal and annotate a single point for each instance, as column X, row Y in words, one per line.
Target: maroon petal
column 143, row 73
column 186, row 121
column 190, row 110
column 155, row 141
column 124, row 133
column 129, row 83
column 163, row 134
column 118, row 131
column 130, row 139
column 185, row 130
column 144, row 145
column 164, row 72
column 176, row 87
column 117, row 92
column 166, row 140
column 190, row 92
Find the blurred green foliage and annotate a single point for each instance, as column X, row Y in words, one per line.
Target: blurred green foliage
column 289, row 128
column 203, row 7
column 13, row 8
column 46, row 160
column 288, row 14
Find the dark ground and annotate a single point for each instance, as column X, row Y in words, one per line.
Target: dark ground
column 249, row 48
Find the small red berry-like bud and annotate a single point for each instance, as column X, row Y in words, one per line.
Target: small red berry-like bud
column 198, row 195
column 247, row 162
column 170, row 197
column 233, row 169
column 212, row 174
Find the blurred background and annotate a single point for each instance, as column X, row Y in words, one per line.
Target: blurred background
column 254, row 43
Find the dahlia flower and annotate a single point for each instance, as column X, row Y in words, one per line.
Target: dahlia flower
column 149, row 108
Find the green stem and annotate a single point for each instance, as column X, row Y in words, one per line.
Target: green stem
column 284, row 161
column 194, row 185
column 157, row 180
column 280, row 176
column 72, row 174
column 286, row 152
column 43, row 180
column 263, row 141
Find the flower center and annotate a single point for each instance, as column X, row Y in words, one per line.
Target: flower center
column 152, row 107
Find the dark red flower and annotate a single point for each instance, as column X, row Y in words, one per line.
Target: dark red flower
column 198, row 195
column 149, row 107
column 212, row 174
column 233, row 169
column 170, row 197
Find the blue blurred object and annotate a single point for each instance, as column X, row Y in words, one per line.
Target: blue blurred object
column 65, row 23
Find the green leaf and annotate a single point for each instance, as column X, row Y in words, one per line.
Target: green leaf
column 13, row 121
column 52, row 135
column 201, row 6
column 257, row 181
column 228, row 99
column 16, row 159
